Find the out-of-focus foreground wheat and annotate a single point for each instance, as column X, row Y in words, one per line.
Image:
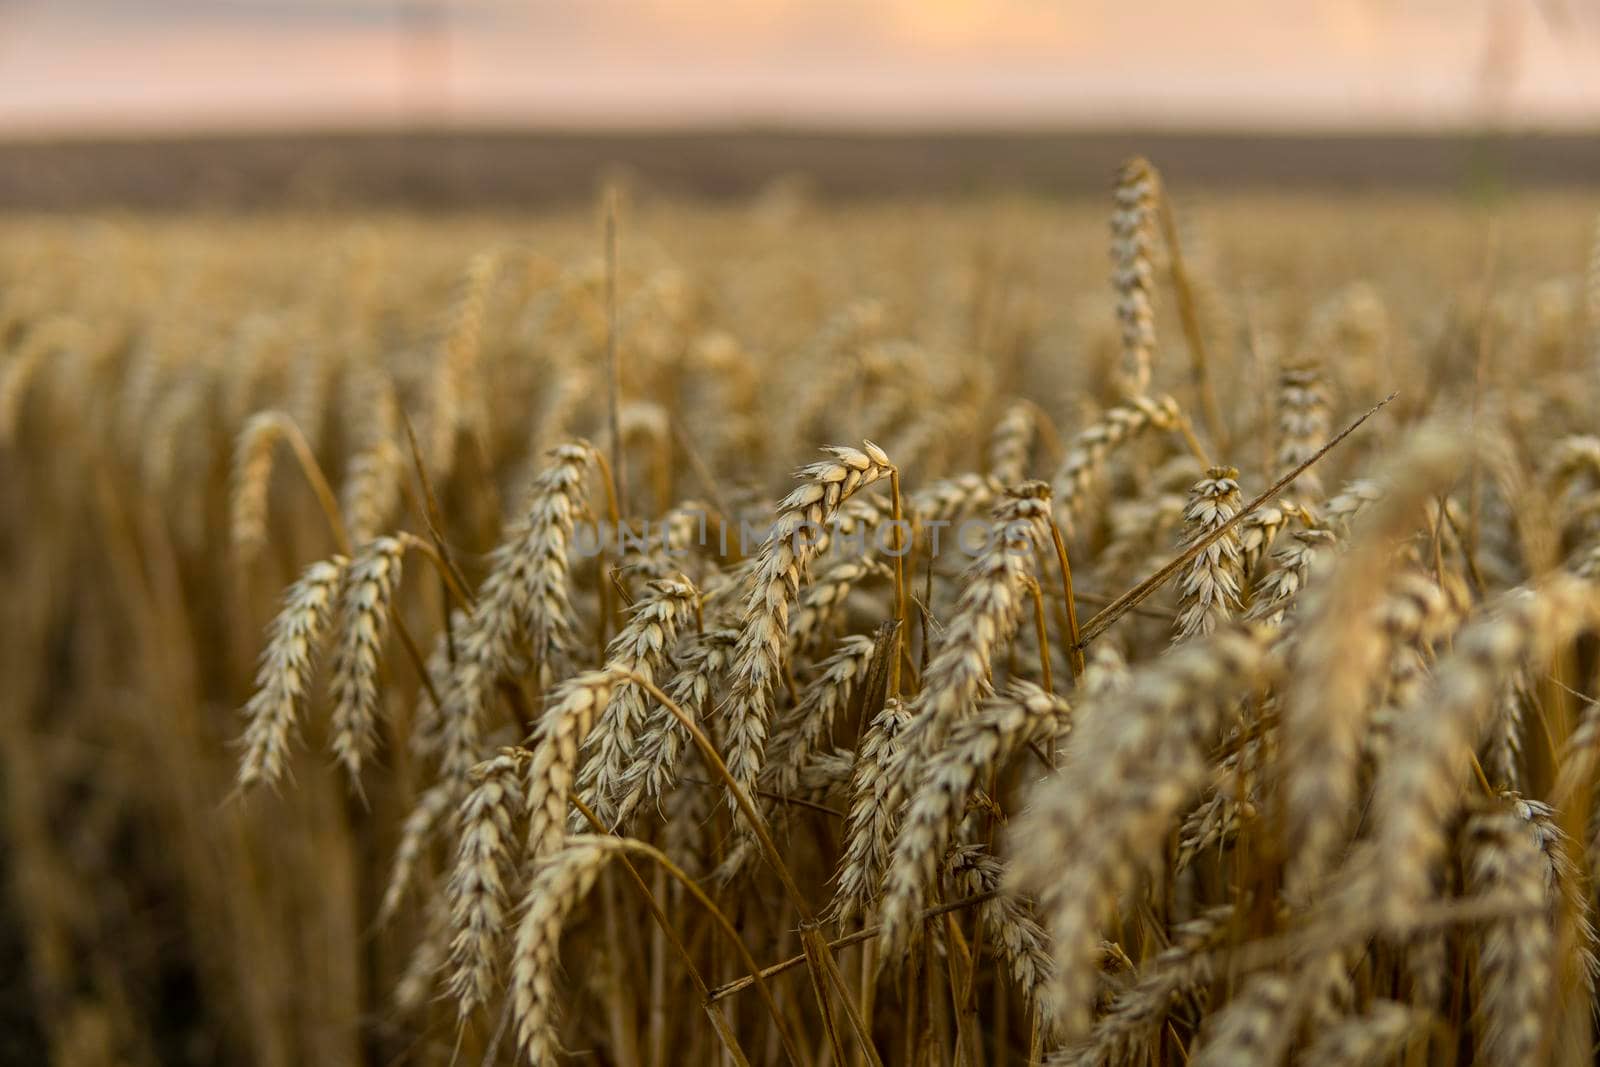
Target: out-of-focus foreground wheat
column 341, row 725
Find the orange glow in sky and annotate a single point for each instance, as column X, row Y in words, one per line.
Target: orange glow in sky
column 119, row 64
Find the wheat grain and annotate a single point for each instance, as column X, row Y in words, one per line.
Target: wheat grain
column 1011, row 441
column 640, row 648
column 976, row 746
column 284, row 678
column 1125, row 775
column 1090, row 449
column 574, row 706
column 364, row 607
column 561, row 883
column 1514, row 975
column 871, row 823
column 476, row 891
column 780, row 568
column 1210, row 588
column 1133, row 238
column 808, row 726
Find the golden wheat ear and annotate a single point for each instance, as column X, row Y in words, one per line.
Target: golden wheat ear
column 294, row 639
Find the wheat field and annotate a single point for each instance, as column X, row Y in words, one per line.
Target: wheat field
column 1155, row 629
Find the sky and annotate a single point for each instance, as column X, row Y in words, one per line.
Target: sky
column 112, row 65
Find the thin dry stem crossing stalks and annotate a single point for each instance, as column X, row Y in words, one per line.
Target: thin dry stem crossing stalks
column 1135, row 596
column 1070, row 598
column 866, row 934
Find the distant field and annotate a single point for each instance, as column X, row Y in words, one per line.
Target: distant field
column 497, row 169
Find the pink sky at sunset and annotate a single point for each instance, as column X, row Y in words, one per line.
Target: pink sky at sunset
column 129, row 64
